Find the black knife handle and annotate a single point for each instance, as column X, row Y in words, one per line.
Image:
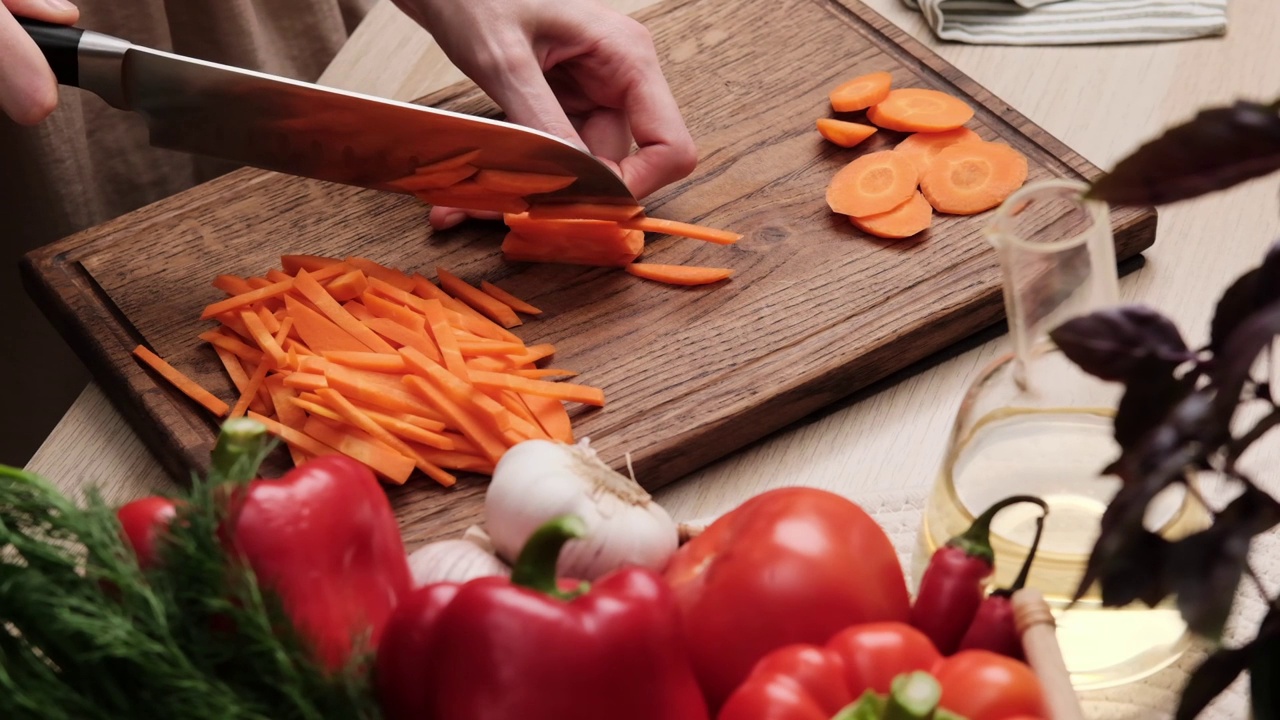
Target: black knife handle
column 60, row 45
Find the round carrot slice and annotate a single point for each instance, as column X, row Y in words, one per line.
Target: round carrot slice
column 911, row 217
column 970, row 177
column 919, row 110
column 844, row 134
column 923, row 147
column 861, row 92
column 874, row 183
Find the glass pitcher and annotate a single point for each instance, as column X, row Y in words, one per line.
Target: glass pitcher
column 1034, row 423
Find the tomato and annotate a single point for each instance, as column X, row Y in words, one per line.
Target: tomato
column 792, row 565
column 141, row 521
column 982, row 685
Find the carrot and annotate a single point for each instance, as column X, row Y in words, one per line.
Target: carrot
column 672, row 227
column 312, row 364
column 551, row 416
column 434, row 426
column 570, row 251
column 239, row 378
column 583, row 211
column 919, row 110
column 373, row 362
column 232, row 345
column 489, row 347
column 861, row 92
column 539, row 373
column 387, row 275
column 522, row 183
column 923, row 147
column 318, row 332
column 269, row 319
column 471, row 196
column 911, row 217
column 348, row 286
column 489, row 444
column 375, row 389
column 443, row 335
column 232, row 284
column 311, row 263
column 316, row 408
column 305, row 381
column 537, row 352
column 257, row 283
column 469, row 319
column 352, row 442
column 396, row 426
column 394, row 311
column 259, row 373
column 312, row 291
column 600, row 231
column 276, row 276
column 404, row 337
column 282, row 398
column 466, row 462
column 971, row 177
column 490, row 307
column 844, row 134
column 357, row 310
column 357, row 417
column 236, row 302
column 433, row 180
column 561, row 391
column 679, row 274
column 263, row 337
column 874, row 183
column 512, row 301
column 186, row 385
column 294, row 436
column 453, row 161
column 458, row 389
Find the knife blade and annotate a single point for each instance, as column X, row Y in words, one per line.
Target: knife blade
column 298, row 128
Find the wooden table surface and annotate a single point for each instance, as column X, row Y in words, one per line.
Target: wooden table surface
column 1101, row 101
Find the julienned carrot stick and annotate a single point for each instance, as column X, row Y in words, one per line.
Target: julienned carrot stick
column 919, row 110
column 316, row 408
column 246, row 299
column 539, row 373
column 551, row 415
column 347, row 286
column 373, row 269
column 470, row 319
column 673, row 227
column 311, row 263
column 188, row 386
column 282, row 399
column 561, row 391
column 318, row 332
column 305, row 381
column 294, row 436
column 239, row 378
column 259, row 374
column 488, row 443
column 482, row 302
column 522, row 183
column 874, row 183
column 263, row 337
column 443, row 335
column 235, row 346
column 269, row 319
column 861, row 92
column 396, row 426
column 489, row 347
column 679, row 274
column 380, row 391
column 393, row 310
column 453, row 161
column 357, row 310
column 466, row 462
column 583, row 211
column 232, row 284
column 374, row 362
column 352, row 442
column 404, row 337
column 312, row 291
column 459, row 390
column 360, row 419
column 512, row 301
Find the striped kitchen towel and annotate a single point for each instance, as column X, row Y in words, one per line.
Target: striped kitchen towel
column 1071, row 22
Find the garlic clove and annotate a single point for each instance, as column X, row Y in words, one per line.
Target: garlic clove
column 454, row 561
column 537, row 480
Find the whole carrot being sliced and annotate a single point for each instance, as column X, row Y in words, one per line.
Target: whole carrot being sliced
column 920, row 110
column 911, row 217
column 861, row 92
column 585, row 230
column 874, row 183
column 189, row 387
column 971, row 177
column 490, row 307
column 618, row 253
column 844, row 134
column 673, row 227
column 522, row 183
column 512, row 301
column 923, row 147
column 679, row 274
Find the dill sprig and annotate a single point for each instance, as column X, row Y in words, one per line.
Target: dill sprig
column 85, row 633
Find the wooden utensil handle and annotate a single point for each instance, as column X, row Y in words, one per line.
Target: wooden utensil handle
column 1036, row 625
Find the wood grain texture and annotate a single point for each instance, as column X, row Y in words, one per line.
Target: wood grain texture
column 816, row 310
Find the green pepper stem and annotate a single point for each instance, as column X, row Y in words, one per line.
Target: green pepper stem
column 913, row 696
column 239, row 450
column 1021, row 580
column 868, row 707
column 535, row 568
column 976, row 541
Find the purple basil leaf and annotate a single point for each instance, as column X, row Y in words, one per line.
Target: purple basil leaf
column 1268, row 285
column 1208, row 565
column 1264, row 671
column 1136, row 571
column 1148, row 399
column 1117, row 343
column 1213, row 676
column 1236, row 304
column 1232, row 365
column 1219, row 148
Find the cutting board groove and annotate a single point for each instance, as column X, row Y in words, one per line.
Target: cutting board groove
column 814, row 312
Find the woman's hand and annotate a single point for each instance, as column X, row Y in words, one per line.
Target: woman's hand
column 28, row 90
column 574, row 68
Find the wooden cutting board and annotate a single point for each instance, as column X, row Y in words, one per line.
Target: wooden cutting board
column 815, row 310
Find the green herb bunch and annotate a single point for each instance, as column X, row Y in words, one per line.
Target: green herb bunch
column 1182, row 411
column 86, row 633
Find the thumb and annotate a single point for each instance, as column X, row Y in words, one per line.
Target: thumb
column 61, row 12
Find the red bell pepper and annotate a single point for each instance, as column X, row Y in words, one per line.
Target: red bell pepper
column 953, row 584
column 810, row 682
column 498, row 648
column 323, row 538
column 792, row 565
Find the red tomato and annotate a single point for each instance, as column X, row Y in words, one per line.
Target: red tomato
column 982, row 685
column 141, row 520
column 793, row 565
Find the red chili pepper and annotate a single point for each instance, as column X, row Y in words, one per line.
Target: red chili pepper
column 952, row 587
column 993, row 627
column 498, row 648
column 323, row 538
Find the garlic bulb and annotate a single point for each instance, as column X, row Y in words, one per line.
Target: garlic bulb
column 459, row 560
column 537, row 480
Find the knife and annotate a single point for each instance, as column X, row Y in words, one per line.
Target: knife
column 298, row 128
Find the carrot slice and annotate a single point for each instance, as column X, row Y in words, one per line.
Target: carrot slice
column 844, row 134
column 260, row 373
column 440, row 331
column 311, row 263
column 316, row 408
column 561, row 391
column 357, row 417
column 312, row 291
column 592, row 231
column 240, row 379
column 387, row 275
column 318, row 332
column 471, row 196
column 354, row 443
column 571, row 251
column 357, row 310
column 257, row 283
column 672, row 227
column 861, row 92
column 919, row 110
column 679, row 274
column 458, row 389
column 923, row 147
column 378, row 390
column 490, row 307
column 236, row 302
column 232, row 284
column 305, row 381
column 269, row 319
column 294, row 436
column 373, row 362
column 469, row 319
column 276, row 276
column 472, row 348
column 417, row 421
column 396, row 333
column 539, row 373
column 522, row 183
column 453, row 161
column 348, row 286
column 551, row 415
column 911, row 217
column 583, row 211
column 488, row 443
column 312, row 364
column 263, row 337
column 874, row 183
column 189, row 387
column 282, row 398
column 464, row 462
column 396, row 426
column 970, row 177
column 433, row 180
column 232, row 345
column 512, row 301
